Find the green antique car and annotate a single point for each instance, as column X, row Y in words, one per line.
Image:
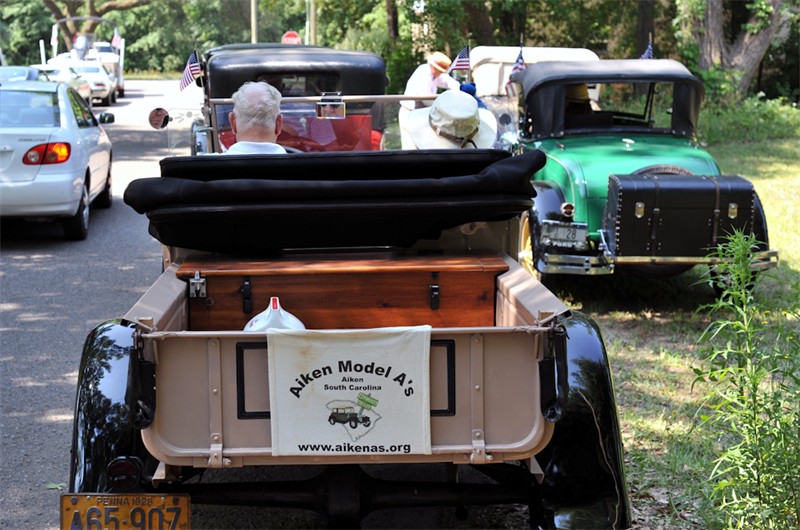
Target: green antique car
column 626, row 183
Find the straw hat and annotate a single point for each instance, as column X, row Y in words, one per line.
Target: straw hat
column 439, row 61
column 451, row 122
column 578, row 92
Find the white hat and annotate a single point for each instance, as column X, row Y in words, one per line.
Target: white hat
column 451, row 122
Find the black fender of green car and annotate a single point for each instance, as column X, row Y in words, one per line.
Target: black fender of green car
column 760, row 224
column 114, row 400
column 584, row 476
column 547, row 202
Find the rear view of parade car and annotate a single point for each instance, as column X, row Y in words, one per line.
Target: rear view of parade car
column 412, row 360
column 626, row 183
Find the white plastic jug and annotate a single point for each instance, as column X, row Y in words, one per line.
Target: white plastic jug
column 274, row 317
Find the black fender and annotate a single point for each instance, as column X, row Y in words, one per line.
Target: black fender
column 584, row 476
column 547, row 202
column 107, row 409
column 546, row 205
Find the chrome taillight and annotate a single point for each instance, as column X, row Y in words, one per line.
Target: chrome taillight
column 567, row 210
column 42, row 154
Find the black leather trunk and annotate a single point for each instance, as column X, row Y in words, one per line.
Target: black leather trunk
column 674, row 216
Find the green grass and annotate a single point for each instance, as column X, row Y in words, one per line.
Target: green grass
column 651, row 328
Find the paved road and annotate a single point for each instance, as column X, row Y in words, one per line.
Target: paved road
column 52, row 292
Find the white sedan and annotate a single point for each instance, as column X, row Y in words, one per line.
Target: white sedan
column 55, row 157
column 65, row 74
column 104, row 84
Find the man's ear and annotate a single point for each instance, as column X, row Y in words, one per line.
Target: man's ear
column 278, row 124
column 232, row 120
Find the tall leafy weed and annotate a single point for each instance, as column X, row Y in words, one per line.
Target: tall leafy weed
column 752, row 397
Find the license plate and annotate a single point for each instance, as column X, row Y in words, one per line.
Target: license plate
column 81, row 511
column 564, row 235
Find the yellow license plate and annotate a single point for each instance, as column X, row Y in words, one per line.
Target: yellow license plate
column 137, row 511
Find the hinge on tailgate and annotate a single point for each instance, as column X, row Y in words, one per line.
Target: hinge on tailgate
column 215, row 458
column 478, row 455
column 197, row 286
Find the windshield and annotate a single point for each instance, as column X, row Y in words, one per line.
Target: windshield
column 370, row 123
column 87, row 69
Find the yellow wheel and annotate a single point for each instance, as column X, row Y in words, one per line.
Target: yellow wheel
column 525, row 255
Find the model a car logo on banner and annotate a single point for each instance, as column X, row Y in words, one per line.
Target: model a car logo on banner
column 350, row 391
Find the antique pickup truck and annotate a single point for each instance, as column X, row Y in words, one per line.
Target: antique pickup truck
column 626, row 183
column 414, row 339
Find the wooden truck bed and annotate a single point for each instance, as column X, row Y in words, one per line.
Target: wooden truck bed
column 216, row 394
column 345, row 291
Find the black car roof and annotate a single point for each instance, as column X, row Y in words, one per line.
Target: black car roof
column 545, row 83
column 228, row 67
column 605, row 71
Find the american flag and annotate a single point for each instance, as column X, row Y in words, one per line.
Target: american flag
column 519, row 66
column 191, row 71
column 116, row 41
column 648, row 53
column 462, row 60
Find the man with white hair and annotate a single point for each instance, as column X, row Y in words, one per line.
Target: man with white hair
column 256, row 119
column 426, row 80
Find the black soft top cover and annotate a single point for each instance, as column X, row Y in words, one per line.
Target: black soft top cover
column 544, row 84
column 229, row 67
column 260, row 204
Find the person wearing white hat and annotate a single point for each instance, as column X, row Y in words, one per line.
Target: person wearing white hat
column 454, row 121
column 426, row 80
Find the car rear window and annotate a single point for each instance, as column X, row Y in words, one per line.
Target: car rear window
column 10, row 73
column 29, row 109
column 87, row 69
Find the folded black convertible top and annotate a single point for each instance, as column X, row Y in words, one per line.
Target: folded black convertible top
column 260, row 204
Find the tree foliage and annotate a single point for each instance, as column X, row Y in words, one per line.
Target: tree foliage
column 724, row 41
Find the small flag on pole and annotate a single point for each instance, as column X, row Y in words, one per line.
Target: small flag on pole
column 116, row 41
column 648, row 53
column 462, row 60
column 191, row 71
column 519, row 66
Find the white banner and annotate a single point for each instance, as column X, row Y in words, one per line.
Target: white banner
column 344, row 392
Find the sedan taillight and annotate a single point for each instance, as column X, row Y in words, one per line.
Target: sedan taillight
column 47, row 154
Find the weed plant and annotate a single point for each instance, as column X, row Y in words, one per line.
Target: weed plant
column 752, row 398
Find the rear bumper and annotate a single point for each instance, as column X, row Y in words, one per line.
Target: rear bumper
column 590, row 265
column 46, row 196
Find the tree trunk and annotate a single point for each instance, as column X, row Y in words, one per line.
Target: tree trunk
column 391, row 21
column 745, row 53
column 711, row 37
column 645, row 24
column 749, row 49
column 480, row 23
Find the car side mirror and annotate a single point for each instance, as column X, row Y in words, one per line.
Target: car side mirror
column 106, row 117
column 158, row 118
